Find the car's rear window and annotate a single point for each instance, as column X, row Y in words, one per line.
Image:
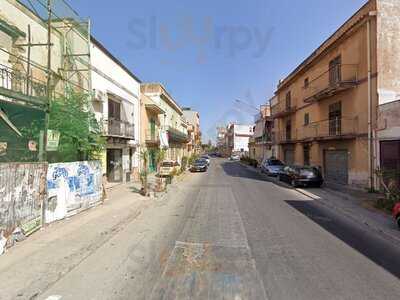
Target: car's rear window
column 275, row 162
column 167, row 164
column 308, row 172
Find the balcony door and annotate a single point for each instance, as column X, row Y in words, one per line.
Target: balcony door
column 288, row 102
column 152, row 129
column 335, row 72
column 335, row 119
column 288, row 130
column 114, row 117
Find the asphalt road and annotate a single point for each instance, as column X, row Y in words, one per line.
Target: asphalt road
column 231, row 234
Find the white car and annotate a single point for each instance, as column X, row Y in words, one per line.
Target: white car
column 234, row 157
column 207, row 158
column 168, row 167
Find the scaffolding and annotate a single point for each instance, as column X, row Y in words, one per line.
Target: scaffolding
column 44, row 53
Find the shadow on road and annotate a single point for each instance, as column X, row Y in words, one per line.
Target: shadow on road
column 377, row 249
column 235, row 169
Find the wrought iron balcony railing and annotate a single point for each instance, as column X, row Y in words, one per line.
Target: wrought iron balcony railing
column 120, row 128
column 18, row 85
column 340, row 127
column 282, row 109
column 152, row 136
column 337, row 78
column 175, row 135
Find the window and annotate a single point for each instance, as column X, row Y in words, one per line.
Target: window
column 335, row 72
column 288, row 130
column 114, row 110
column 335, row 118
column 306, row 83
column 306, row 119
column 288, row 100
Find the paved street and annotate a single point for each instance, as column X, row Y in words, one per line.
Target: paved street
column 225, row 234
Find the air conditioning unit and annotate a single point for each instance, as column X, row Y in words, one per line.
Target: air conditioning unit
column 100, row 96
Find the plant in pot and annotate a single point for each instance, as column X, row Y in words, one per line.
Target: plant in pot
column 143, row 174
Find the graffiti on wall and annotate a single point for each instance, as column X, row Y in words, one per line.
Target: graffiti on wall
column 72, row 187
column 22, row 192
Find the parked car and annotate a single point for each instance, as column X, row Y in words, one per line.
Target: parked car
column 234, row 157
column 301, row 176
column 272, row 167
column 168, row 167
column 200, row 165
column 396, row 213
column 206, row 158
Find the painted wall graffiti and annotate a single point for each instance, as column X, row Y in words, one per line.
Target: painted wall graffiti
column 22, row 193
column 72, row 187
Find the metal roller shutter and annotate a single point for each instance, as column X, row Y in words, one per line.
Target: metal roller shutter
column 336, row 166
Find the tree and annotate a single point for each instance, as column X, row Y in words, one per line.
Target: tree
column 160, row 156
column 144, row 155
column 80, row 133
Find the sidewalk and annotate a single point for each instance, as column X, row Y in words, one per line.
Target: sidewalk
column 356, row 205
column 46, row 256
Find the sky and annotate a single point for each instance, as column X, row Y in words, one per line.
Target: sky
column 209, row 53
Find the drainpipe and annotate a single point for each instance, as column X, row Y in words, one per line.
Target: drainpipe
column 370, row 135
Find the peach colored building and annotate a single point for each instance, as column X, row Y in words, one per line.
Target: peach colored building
column 331, row 111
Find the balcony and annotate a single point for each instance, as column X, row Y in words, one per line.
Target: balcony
column 282, row 110
column 118, row 128
column 17, row 85
column 285, row 137
column 336, row 79
column 177, row 136
column 338, row 128
column 152, row 137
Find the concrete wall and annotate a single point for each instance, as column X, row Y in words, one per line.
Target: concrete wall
column 72, row 187
column 22, row 193
column 388, row 43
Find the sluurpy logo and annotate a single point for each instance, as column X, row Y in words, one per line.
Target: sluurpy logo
column 203, row 35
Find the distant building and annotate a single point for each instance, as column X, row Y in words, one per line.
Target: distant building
column 260, row 144
column 238, row 137
column 193, row 118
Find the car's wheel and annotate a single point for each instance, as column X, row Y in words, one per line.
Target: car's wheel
column 398, row 221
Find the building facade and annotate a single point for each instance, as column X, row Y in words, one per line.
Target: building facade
column 237, row 138
column 116, row 106
column 31, row 76
column 329, row 111
column 193, row 119
column 173, row 125
column 260, row 144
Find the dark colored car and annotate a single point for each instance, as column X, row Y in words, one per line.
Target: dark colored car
column 200, row 165
column 396, row 213
column 301, row 176
column 272, row 167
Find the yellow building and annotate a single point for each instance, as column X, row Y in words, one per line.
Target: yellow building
column 324, row 107
column 151, row 114
column 173, row 134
